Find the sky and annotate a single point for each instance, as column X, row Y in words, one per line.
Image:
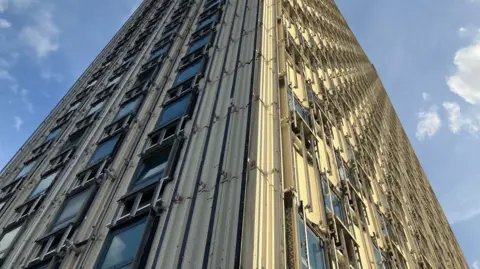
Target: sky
column 427, row 53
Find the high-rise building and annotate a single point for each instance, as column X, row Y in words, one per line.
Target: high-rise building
column 224, row 134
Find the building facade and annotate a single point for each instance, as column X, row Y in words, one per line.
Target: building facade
column 224, row 134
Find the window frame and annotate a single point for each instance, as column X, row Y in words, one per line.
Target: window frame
column 138, row 99
column 31, row 170
column 189, row 107
column 303, row 242
column 6, row 230
column 136, row 184
column 112, row 153
column 145, row 243
column 44, row 176
column 54, row 227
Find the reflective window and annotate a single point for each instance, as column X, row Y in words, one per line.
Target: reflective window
column 326, row 197
column 127, row 109
column 95, row 108
column 122, row 247
column 198, row 44
column 26, row 169
column 113, row 81
column 74, row 106
column 207, row 21
column 338, row 209
column 153, row 168
column 173, row 111
column 2, row 204
column 43, row 184
column 378, row 258
column 104, row 150
column 71, row 208
column 53, row 134
column 188, row 73
column 316, row 251
column 159, row 51
column 8, row 238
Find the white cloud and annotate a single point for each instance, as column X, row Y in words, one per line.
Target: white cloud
column 429, row 123
column 18, row 123
column 3, row 5
column 476, row 265
column 43, row 35
column 465, row 82
column 4, row 24
column 458, row 121
column 26, row 102
column 425, row 96
column 4, row 74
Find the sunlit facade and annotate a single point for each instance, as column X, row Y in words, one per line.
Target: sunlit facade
column 224, row 134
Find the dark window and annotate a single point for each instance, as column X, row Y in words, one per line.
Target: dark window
column 207, row 21
column 26, row 169
column 159, row 52
column 188, row 72
column 8, row 239
column 153, row 168
column 127, row 109
column 198, row 44
column 53, row 134
column 316, row 250
column 43, row 184
column 174, row 111
column 104, row 149
column 70, row 209
column 122, row 246
column 73, row 139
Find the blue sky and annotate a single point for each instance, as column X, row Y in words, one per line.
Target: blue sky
column 427, row 53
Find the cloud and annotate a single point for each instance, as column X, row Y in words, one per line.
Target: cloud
column 425, row 96
column 18, row 123
column 429, row 123
column 26, row 102
column 5, row 75
column 461, row 202
column 43, row 35
column 476, row 265
column 3, row 5
column 4, row 24
column 458, row 121
column 465, row 82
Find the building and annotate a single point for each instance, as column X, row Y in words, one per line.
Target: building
column 224, row 134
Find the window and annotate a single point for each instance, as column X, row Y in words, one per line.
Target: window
column 338, row 209
column 95, row 108
column 326, row 196
column 91, row 83
column 104, row 149
column 113, row 81
column 70, row 209
column 43, row 185
column 159, row 51
column 26, row 169
column 174, row 111
column 73, row 139
column 2, row 204
column 7, row 240
column 378, row 258
column 127, row 109
column 121, row 247
column 53, row 134
column 198, row 44
column 187, row 73
column 207, row 21
column 74, row 106
column 316, row 250
column 153, row 168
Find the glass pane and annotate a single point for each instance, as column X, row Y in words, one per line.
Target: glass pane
column 8, row 238
column 198, row 44
column 338, row 207
column 26, row 169
column 303, row 251
column 44, row 184
column 123, row 247
column 53, row 135
column 104, row 150
column 187, row 73
column 326, row 197
column 154, row 167
column 173, row 111
column 2, row 204
column 126, row 109
column 72, row 207
column 159, row 52
column 95, row 108
column 207, row 21
column 113, row 81
column 315, row 252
